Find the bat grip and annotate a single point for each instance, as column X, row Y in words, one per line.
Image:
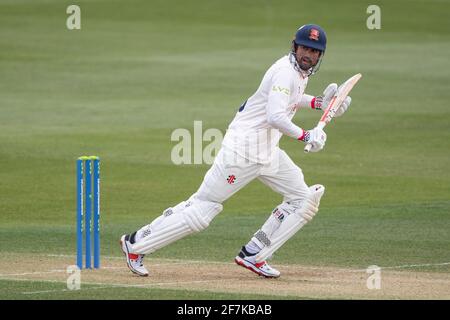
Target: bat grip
column 308, row 147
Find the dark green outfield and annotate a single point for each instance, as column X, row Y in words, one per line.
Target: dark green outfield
column 137, row 70
column 36, row 290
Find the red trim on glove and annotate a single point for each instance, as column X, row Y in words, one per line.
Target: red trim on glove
column 302, row 137
column 313, row 101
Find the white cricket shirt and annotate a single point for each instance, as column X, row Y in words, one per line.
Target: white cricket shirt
column 259, row 124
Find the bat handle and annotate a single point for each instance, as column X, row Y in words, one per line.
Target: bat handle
column 320, row 125
column 308, row 147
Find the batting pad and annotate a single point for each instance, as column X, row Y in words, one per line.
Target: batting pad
column 194, row 216
column 294, row 222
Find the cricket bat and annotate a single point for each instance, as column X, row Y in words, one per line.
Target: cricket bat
column 335, row 102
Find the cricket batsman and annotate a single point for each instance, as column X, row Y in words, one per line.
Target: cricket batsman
column 250, row 151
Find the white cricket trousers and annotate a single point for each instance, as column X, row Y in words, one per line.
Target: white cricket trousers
column 231, row 172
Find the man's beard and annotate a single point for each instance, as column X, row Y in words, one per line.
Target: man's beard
column 305, row 64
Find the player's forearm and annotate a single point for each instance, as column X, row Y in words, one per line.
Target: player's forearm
column 307, row 101
column 277, row 118
column 286, row 126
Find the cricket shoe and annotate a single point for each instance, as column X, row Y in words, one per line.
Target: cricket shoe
column 134, row 261
column 262, row 268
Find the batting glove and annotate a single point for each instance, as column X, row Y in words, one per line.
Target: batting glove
column 316, row 137
column 344, row 106
column 321, row 102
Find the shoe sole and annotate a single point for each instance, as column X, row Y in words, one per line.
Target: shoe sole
column 241, row 262
column 126, row 252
